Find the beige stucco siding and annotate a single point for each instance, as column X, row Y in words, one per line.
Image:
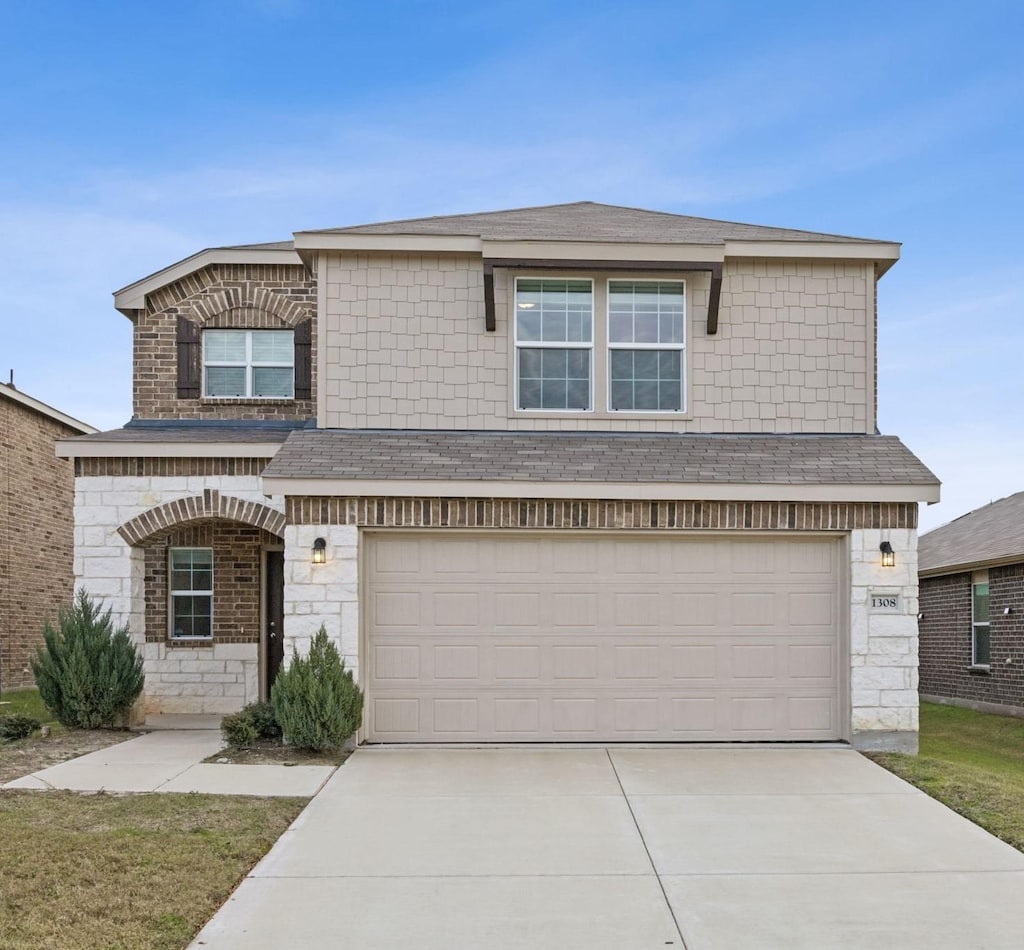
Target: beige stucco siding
column 405, row 347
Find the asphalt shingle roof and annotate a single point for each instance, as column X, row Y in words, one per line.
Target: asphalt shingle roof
column 989, row 534
column 598, row 457
column 589, row 221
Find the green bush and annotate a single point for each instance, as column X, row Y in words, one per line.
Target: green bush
column 14, row 726
column 316, row 702
column 250, row 724
column 88, row 672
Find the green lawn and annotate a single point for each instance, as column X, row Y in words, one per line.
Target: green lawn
column 974, row 763
column 24, row 702
column 131, row 872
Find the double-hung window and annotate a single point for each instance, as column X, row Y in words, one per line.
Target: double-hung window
column 981, row 653
column 645, row 345
column 249, row 364
column 191, row 593
column 554, row 341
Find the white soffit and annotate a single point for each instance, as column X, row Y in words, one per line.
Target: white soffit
column 653, row 491
column 72, row 448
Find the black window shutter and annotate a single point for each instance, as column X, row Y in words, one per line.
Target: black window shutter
column 304, row 360
column 188, row 359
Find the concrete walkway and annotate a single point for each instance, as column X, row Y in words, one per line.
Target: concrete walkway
column 170, row 760
column 613, row 849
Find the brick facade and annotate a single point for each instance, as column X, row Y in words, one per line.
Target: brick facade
column 236, row 579
column 945, row 630
column 558, row 513
column 36, row 534
column 235, row 296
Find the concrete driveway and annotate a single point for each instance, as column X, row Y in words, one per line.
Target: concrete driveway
column 620, row 848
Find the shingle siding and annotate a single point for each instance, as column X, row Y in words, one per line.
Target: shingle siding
column 945, row 632
column 407, row 349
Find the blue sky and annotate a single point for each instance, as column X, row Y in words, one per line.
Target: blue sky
column 135, row 134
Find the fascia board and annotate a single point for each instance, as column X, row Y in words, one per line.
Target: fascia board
column 602, row 251
column 657, row 491
column 967, row 566
column 43, row 409
column 72, row 448
column 882, row 252
column 395, row 243
column 133, row 297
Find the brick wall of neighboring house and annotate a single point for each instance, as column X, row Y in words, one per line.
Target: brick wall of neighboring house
column 234, row 296
column 236, row 580
column 945, row 630
column 36, row 534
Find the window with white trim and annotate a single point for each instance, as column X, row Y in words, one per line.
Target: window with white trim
column 646, row 341
column 981, row 652
column 554, row 341
column 249, row 364
column 191, row 593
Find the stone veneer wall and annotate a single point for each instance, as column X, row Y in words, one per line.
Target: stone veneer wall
column 213, row 679
column 946, row 671
column 236, row 296
column 36, row 491
column 405, row 347
column 883, row 647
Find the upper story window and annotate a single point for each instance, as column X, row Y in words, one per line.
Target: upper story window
column 981, row 653
column 249, row 364
column 554, row 330
column 611, row 346
column 645, row 344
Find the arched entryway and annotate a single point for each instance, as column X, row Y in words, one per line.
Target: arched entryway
column 213, row 580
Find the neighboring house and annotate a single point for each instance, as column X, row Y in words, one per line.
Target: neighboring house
column 37, row 492
column 972, row 609
column 578, row 472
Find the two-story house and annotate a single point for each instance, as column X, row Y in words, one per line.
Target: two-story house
column 577, row 472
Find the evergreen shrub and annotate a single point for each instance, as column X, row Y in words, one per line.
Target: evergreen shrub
column 316, row 701
column 249, row 725
column 88, row 672
column 14, row 726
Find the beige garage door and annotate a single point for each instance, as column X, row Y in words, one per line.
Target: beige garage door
column 529, row 638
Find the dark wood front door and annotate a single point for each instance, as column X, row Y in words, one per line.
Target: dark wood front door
column 274, row 621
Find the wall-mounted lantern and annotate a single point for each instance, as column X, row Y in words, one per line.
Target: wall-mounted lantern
column 319, row 551
column 888, row 555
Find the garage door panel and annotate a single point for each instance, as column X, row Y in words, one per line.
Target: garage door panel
column 509, row 647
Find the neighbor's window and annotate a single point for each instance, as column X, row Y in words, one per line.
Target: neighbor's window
column 256, row 364
column 554, row 328
column 191, row 590
column 980, row 628
column 645, row 345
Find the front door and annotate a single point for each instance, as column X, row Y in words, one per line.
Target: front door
column 274, row 620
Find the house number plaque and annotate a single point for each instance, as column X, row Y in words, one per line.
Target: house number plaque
column 885, row 602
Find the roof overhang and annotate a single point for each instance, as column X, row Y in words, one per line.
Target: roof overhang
column 642, row 491
column 42, row 408
column 968, row 566
column 883, row 254
column 133, row 297
column 122, row 448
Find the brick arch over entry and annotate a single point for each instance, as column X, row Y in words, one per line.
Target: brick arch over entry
column 210, row 504
column 236, row 298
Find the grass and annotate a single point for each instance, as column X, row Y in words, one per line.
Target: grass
column 974, row 763
column 24, row 702
column 125, row 872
